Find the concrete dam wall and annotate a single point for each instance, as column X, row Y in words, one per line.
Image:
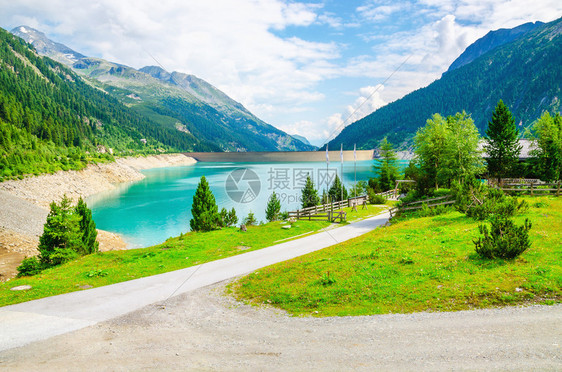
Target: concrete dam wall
column 278, row 156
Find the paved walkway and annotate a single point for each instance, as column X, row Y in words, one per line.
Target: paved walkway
column 41, row 319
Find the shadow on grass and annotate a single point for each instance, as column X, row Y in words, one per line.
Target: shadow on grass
column 486, row 263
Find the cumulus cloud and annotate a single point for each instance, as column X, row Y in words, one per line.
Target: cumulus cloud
column 255, row 52
column 231, row 44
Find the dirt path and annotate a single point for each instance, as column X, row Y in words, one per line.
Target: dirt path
column 206, row 330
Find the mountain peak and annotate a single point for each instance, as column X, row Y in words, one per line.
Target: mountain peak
column 492, row 40
column 157, row 72
column 45, row 46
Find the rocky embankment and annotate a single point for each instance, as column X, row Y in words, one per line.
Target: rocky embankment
column 24, row 203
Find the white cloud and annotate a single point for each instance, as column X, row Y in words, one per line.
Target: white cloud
column 236, row 45
column 368, row 100
column 231, row 44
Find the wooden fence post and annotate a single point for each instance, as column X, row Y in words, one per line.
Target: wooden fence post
column 531, row 189
column 558, row 189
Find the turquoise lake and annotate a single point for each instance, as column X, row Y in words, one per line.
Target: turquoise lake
column 150, row 211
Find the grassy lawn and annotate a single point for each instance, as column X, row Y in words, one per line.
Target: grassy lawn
column 420, row 264
column 176, row 253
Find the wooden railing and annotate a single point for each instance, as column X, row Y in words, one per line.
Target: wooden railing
column 387, row 194
column 328, row 212
column 533, row 188
column 442, row 200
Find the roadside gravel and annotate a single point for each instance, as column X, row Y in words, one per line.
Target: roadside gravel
column 206, row 330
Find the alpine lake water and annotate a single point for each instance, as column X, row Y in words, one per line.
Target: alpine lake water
column 149, row 211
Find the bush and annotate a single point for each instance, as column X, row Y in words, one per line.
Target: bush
column 29, row 266
column 504, row 239
column 374, row 198
column 481, row 202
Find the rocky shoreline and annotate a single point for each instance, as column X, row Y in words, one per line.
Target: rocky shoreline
column 25, row 203
column 95, row 178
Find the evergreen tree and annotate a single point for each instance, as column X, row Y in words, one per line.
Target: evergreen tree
column 502, row 143
column 62, row 239
column 232, row 219
column 309, row 194
column 87, row 227
column 386, row 168
column 337, row 191
column 204, row 209
column 250, row 220
column 228, row 218
column 273, row 208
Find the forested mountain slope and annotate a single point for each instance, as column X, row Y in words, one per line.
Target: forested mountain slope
column 51, row 119
column 526, row 74
column 175, row 100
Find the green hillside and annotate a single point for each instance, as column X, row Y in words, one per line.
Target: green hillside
column 525, row 74
column 51, row 119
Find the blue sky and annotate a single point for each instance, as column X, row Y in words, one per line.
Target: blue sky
column 303, row 66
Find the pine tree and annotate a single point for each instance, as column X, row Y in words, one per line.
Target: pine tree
column 337, row 191
column 204, row 209
column 232, row 219
column 309, row 194
column 61, row 240
column 273, row 208
column 87, row 227
column 502, row 145
column 386, row 168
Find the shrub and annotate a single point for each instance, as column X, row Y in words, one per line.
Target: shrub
column 374, row 198
column 29, row 266
column 480, row 202
column 504, row 239
column 327, row 279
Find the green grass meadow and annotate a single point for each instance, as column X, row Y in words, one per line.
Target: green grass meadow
column 417, row 264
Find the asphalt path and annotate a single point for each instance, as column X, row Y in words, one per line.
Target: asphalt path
column 41, row 319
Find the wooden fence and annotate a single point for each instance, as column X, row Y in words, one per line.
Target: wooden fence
column 328, row 212
column 387, row 194
column 442, row 200
column 533, row 188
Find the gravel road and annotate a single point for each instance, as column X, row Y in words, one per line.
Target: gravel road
column 208, row 330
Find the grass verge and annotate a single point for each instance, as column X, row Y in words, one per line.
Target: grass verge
column 187, row 250
column 420, row 264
